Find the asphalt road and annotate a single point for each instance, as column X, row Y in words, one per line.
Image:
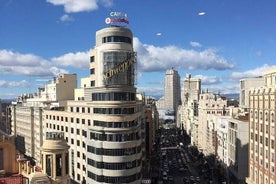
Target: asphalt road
column 176, row 164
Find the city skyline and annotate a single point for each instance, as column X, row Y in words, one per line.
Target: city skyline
column 218, row 41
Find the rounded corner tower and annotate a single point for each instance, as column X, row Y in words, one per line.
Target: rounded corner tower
column 114, row 142
column 113, row 61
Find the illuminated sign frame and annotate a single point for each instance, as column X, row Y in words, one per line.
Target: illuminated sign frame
column 117, row 18
column 120, row 68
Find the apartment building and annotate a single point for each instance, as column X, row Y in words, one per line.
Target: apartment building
column 262, row 131
column 26, row 114
column 209, row 105
column 192, row 89
column 232, row 147
column 188, row 111
column 245, row 86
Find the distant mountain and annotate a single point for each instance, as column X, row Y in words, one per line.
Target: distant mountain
column 7, row 100
column 5, row 103
column 235, row 96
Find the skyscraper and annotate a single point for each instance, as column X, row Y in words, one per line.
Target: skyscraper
column 172, row 90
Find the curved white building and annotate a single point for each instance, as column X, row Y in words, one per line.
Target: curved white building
column 114, row 141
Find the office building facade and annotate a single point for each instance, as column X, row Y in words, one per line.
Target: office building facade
column 245, row 86
column 262, row 131
column 172, row 90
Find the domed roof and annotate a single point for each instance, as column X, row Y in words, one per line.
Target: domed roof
column 39, row 176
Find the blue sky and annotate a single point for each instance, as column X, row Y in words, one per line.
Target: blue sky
column 219, row 41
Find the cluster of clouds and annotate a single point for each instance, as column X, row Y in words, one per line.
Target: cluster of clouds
column 75, row 6
column 26, row 64
column 150, row 59
column 12, row 84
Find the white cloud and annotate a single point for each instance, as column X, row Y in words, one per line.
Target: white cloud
column 11, row 84
column 77, row 60
column 73, row 6
column 207, row 80
column 66, row 18
column 107, row 3
column 226, row 89
column 256, row 72
column 151, row 91
column 158, row 34
column 26, row 64
column 201, row 13
column 152, row 58
column 195, row 44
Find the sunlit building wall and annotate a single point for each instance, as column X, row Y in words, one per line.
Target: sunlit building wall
column 209, row 105
column 262, row 130
column 172, row 90
column 27, row 114
column 245, row 85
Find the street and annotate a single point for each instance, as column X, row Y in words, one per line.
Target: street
column 176, row 162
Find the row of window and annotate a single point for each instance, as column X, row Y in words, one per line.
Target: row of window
column 110, row 179
column 272, row 116
column 114, row 166
column 123, row 39
column 115, row 137
column 126, row 124
column 266, row 140
column 113, row 96
column 114, row 110
column 72, row 120
column 114, row 152
column 264, row 128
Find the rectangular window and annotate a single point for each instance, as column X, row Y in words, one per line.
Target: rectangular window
column 92, row 59
column 92, row 83
column 261, row 139
column 58, row 164
column 49, row 165
column 92, row 71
